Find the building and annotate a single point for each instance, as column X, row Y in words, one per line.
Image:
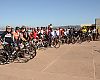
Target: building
column 97, row 23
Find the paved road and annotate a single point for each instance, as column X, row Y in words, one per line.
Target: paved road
column 69, row 62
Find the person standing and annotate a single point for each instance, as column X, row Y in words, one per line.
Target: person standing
column 94, row 34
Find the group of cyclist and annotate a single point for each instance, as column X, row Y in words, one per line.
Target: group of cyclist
column 23, row 34
column 24, row 40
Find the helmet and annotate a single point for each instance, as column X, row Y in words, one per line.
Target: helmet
column 50, row 24
column 23, row 27
column 17, row 28
column 8, row 27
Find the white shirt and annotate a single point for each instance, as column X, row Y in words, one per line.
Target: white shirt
column 51, row 26
column 42, row 31
column 8, row 35
column 94, row 30
column 65, row 33
column 89, row 31
column 57, row 32
column 53, row 33
column 39, row 32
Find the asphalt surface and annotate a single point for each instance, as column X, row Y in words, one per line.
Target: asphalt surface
column 69, row 62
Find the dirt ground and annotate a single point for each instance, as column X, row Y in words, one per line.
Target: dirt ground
column 69, row 62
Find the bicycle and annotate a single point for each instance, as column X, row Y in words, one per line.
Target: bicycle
column 55, row 42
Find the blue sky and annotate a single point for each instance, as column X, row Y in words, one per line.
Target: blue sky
column 43, row 12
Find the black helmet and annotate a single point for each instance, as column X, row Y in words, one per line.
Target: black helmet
column 17, row 28
column 23, row 27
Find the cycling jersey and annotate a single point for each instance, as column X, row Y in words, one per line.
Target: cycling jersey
column 35, row 35
column 53, row 33
column 41, row 31
column 65, row 33
column 57, row 32
column 31, row 35
column 7, row 37
column 24, row 36
column 89, row 31
column 16, row 35
column 84, row 30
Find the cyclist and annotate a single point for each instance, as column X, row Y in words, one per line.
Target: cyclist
column 58, row 32
column 17, row 36
column 53, row 35
column 84, row 31
column 94, row 34
column 7, row 36
column 24, row 36
column 34, row 34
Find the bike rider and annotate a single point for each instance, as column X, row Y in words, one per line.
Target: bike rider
column 71, row 32
column 89, row 31
column 84, row 31
column 24, row 36
column 16, row 34
column 8, row 38
column 49, row 30
column 34, row 36
column 80, row 33
column 58, row 32
column 68, row 32
column 45, row 35
column 76, row 32
column 94, row 34
column 53, row 35
column 65, row 34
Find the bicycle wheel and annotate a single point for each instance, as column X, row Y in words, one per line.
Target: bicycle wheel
column 79, row 40
column 73, row 40
column 3, row 57
column 32, row 52
column 52, row 43
column 57, row 43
